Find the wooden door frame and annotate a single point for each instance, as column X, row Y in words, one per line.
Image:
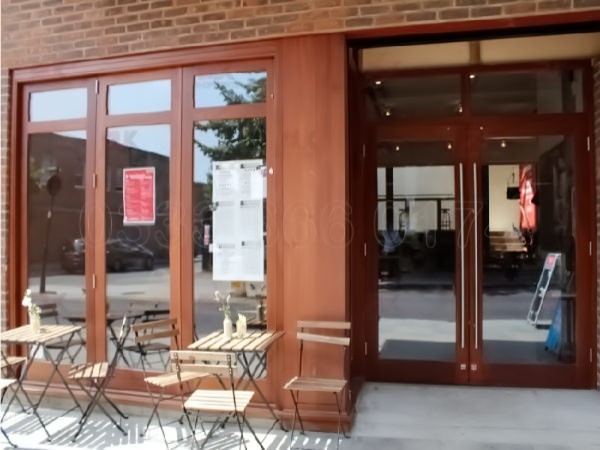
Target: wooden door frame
column 363, row 301
column 580, row 373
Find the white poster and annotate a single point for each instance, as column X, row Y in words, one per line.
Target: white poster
column 238, row 243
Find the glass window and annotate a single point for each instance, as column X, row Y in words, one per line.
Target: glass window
column 416, row 244
column 137, row 230
column 60, row 104
column 230, row 89
column 403, row 97
column 229, row 225
column 56, row 219
column 529, row 248
column 143, row 97
column 541, row 92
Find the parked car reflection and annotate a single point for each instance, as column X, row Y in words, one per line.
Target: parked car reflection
column 120, row 255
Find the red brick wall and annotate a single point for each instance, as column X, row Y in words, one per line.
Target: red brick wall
column 38, row 32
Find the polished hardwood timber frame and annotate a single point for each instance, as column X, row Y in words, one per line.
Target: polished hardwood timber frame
column 306, row 141
column 467, row 132
column 316, row 128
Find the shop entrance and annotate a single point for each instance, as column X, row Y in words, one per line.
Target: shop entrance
column 480, row 231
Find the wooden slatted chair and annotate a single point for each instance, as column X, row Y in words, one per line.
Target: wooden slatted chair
column 9, row 367
column 321, row 332
column 146, row 334
column 49, row 312
column 145, row 346
column 97, row 376
column 226, row 402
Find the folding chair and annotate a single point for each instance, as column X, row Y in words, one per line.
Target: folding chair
column 50, row 311
column 98, row 375
column 4, row 383
column 146, row 347
column 228, row 402
column 146, row 335
column 9, row 366
column 302, row 383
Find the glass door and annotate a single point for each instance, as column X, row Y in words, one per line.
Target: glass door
column 480, row 241
column 534, row 238
column 420, row 289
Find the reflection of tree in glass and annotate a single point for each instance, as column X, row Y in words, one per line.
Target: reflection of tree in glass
column 236, row 138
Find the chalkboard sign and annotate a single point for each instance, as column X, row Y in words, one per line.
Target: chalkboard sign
column 542, row 287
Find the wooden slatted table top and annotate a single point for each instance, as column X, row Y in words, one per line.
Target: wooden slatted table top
column 26, row 335
column 256, row 341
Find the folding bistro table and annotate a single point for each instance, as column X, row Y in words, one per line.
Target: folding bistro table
column 36, row 340
column 251, row 352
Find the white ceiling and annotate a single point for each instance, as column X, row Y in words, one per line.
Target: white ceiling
column 493, row 51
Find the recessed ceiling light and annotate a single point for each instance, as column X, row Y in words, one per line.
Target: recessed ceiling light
column 388, row 112
column 378, row 82
column 503, row 143
column 472, row 76
column 397, row 148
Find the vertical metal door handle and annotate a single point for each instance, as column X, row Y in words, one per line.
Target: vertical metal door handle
column 462, row 257
column 475, row 265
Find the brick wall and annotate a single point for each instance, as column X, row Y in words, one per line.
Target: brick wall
column 37, row 32
column 596, row 66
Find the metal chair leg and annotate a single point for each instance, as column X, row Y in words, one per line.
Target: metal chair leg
column 7, row 438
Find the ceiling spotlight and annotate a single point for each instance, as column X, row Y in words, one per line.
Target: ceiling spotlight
column 449, row 146
column 397, row 148
column 388, row 112
column 378, row 82
column 472, row 76
column 503, row 143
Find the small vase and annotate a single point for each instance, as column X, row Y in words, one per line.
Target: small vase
column 34, row 320
column 227, row 327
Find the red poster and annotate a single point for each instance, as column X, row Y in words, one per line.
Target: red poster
column 138, row 196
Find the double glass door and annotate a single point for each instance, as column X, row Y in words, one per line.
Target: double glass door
column 483, row 247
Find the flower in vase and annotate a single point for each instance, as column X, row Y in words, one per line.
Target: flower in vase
column 224, row 302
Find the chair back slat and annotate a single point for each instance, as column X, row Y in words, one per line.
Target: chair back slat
column 210, row 363
column 158, row 329
column 312, row 337
column 324, row 324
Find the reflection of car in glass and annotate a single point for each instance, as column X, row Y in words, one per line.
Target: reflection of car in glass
column 120, row 255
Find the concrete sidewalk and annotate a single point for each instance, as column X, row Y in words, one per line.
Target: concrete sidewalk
column 388, row 416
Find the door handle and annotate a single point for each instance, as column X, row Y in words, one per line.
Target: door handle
column 462, row 256
column 475, row 251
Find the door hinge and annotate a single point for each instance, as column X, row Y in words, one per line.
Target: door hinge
column 93, row 281
column 364, row 150
column 473, row 367
column 589, row 143
column 97, row 87
column 365, row 248
column 365, row 349
column 94, row 180
column 591, row 355
column 590, row 248
column 463, row 366
column 272, row 96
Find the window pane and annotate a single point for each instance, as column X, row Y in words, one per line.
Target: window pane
column 58, row 105
column 416, row 244
column 529, row 227
column 431, row 96
column 229, row 207
column 56, row 218
column 230, row 89
column 144, row 97
column 137, row 231
column 541, row 92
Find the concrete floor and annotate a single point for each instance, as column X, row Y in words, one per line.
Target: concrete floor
column 389, row 416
